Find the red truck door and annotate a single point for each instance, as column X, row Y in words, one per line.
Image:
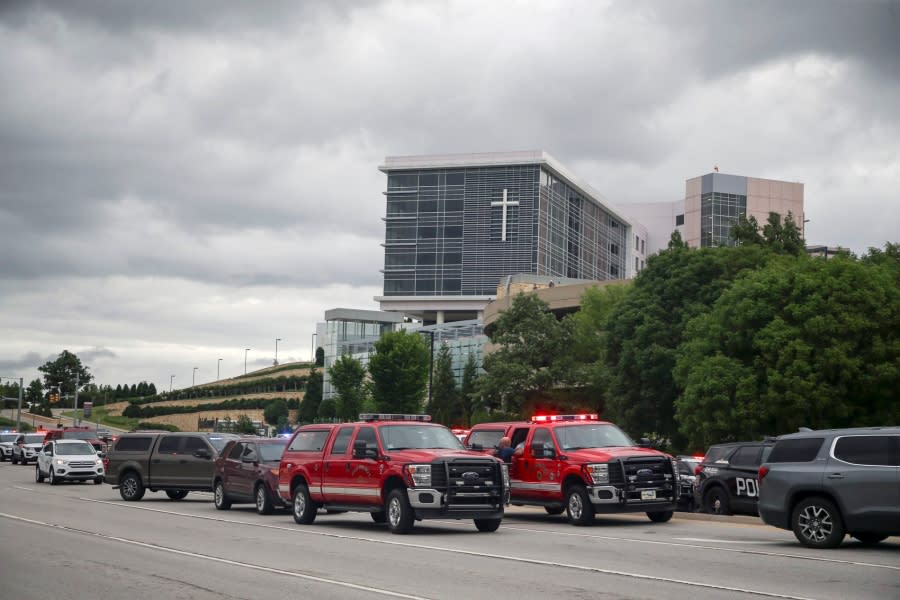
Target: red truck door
column 537, row 475
column 336, row 467
column 365, row 477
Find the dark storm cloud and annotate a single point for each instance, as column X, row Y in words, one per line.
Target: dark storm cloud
column 29, row 360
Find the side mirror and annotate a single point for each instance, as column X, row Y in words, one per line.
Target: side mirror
column 476, row 447
column 359, row 449
column 101, row 455
column 202, row 453
column 645, row 443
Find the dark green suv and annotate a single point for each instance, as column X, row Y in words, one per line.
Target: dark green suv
column 826, row 484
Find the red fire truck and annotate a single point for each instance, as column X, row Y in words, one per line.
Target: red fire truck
column 583, row 466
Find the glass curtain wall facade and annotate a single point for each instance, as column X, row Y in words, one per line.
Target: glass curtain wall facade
column 718, row 212
column 462, row 338
column 459, row 231
column 340, row 337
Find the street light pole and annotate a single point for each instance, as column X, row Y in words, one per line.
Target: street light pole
column 194, row 377
column 218, row 365
column 312, row 349
column 171, row 378
column 75, row 414
column 246, row 350
column 276, row 350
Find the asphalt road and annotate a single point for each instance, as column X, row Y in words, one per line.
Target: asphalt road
column 83, row 541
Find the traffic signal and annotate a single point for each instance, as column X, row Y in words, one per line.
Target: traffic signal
column 54, row 397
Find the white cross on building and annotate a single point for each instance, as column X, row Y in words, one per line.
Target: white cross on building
column 504, row 203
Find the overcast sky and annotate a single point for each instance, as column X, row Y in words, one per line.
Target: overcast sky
column 180, row 181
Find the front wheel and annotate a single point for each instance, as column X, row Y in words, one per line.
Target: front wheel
column 400, row 515
column 131, row 488
column 220, row 500
column 303, row 508
column 38, row 476
column 53, row 479
column 817, row 523
column 176, row 494
column 715, row 502
column 661, row 516
column 578, row 505
column 487, row 525
column 263, row 502
column 98, row 480
column 15, row 460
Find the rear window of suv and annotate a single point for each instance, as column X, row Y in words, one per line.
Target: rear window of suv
column 796, row 450
column 866, row 450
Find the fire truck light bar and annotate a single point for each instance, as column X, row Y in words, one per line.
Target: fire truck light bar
column 393, row 417
column 552, row 418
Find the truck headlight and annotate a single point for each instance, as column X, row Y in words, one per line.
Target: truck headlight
column 504, row 471
column 420, row 475
column 60, row 462
column 99, row 463
column 599, row 473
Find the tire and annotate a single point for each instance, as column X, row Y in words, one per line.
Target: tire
column 14, row 460
column 131, row 488
column 302, row 506
column 176, row 494
column 400, row 515
column 38, row 476
column 98, row 480
column 715, row 501
column 219, row 498
column 53, row 479
column 663, row 516
column 578, row 505
column 263, row 502
column 817, row 523
column 379, row 516
column 555, row 510
column 869, row 539
column 487, row 525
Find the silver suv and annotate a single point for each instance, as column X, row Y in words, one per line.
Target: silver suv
column 826, row 484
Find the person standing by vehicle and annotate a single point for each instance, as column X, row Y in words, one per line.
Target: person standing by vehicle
column 504, row 450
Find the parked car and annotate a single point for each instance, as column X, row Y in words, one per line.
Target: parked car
column 581, row 465
column 726, row 479
column 7, row 441
column 823, row 485
column 687, row 479
column 27, row 446
column 77, row 433
column 68, row 460
column 176, row 463
column 398, row 468
column 247, row 471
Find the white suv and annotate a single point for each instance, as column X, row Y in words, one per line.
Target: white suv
column 73, row 460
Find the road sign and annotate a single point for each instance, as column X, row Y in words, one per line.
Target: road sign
column 88, row 406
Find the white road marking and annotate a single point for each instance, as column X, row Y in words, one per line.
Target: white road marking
column 699, row 547
column 719, row 541
column 225, row 561
column 519, row 559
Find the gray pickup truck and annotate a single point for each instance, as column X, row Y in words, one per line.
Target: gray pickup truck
column 177, row 463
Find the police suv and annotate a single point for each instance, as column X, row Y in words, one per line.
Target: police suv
column 727, row 478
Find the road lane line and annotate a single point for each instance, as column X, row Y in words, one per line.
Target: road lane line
column 697, row 546
column 518, row 559
column 216, row 559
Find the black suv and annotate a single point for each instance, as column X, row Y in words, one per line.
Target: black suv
column 726, row 479
column 825, row 484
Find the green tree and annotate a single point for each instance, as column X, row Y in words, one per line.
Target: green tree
column 244, row 425
column 327, row 409
column 320, row 357
column 275, row 410
column 528, row 360
column 468, row 391
column 399, row 372
column 34, row 393
column 65, row 369
column 803, row 342
column 348, row 376
column 445, row 401
column 646, row 326
column 309, row 408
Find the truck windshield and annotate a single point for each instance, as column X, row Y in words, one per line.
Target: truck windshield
column 403, row 437
column 577, row 437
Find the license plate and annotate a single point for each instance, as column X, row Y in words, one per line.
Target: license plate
column 648, row 494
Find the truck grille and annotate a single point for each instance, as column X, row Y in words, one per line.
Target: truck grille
column 468, row 482
column 81, row 465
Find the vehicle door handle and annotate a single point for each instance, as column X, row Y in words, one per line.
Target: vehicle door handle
column 836, row 476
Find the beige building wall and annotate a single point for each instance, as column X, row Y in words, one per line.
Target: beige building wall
column 692, row 212
column 769, row 195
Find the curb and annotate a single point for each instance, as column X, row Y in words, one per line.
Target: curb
column 686, row 516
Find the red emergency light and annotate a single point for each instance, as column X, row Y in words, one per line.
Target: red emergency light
column 554, row 418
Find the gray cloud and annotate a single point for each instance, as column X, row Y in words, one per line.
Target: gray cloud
column 181, row 180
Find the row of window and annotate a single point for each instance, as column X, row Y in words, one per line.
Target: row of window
column 425, row 179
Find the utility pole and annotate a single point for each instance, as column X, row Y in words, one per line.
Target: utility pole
column 19, row 410
column 75, row 414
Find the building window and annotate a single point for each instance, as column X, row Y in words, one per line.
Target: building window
column 614, row 249
column 637, row 243
column 679, row 220
column 642, row 247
